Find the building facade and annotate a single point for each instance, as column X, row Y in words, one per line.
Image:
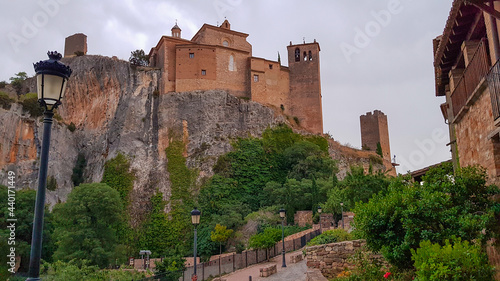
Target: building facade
column 468, row 76
column 220, row 58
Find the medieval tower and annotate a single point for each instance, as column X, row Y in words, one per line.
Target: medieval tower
column 305, row 85
column 374, row 130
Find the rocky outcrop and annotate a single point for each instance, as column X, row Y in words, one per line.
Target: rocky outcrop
column 117, row 108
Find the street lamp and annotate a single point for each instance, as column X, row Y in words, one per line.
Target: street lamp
column 282, row 216
column 195, row 219
column 342, row 210
column 52, row 77
column 319, row 212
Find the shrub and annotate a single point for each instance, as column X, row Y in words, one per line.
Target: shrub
column 296, row 119
column 77, row 176
column 51, row 183
column 31, row 105
column 5, row 100
column 3, row 84
column 331, row 236
column 458, row 261
column 72, row 127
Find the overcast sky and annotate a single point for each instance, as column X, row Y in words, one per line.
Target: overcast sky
column 375, row 54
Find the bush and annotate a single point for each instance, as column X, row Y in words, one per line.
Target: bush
column 139, row 58
column 31, row 105
column 5, row 100
column 460, row 261
column 3, row 84
column 51, row 183
column 331, row 236
column 72, row 127
column 77, row 176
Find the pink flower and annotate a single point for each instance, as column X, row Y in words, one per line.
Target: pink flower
column 387, row 274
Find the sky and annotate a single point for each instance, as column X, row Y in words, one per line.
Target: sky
column 375, row 54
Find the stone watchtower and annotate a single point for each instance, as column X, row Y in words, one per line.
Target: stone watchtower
column 305, row 85
column 374, row 129
column 75, row 43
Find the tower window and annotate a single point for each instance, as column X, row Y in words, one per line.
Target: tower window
column 191, row 55
column 310, row 56
column 203, row 72
column 305, row 56
column 297, row 54
column 256, row 78
column 270, row 66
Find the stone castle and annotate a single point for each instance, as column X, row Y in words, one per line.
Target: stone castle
column 220, row 58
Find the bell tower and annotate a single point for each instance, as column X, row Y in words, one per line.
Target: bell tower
column 305, row 85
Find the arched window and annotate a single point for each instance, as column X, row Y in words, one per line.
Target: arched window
column 305, row 56
column 232, row 64
column 225, row 43
column 310, row 56
column 297, row 54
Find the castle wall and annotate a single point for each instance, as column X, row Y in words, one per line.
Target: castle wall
column 273, row 85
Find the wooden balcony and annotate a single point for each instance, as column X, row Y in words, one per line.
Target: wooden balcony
column 476, row 71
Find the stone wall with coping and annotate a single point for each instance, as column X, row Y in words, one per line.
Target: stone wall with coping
column 332, row 259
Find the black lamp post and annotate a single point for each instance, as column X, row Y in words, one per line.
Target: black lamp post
column 282, row 216
column 342, row 211
column 52, row 77
column 195, row 219
column 319, row 212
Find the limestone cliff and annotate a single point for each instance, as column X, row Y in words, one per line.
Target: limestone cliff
column 117, row 108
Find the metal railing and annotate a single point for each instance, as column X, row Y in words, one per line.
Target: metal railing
column 476, row 70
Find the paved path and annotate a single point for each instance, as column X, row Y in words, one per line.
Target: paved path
column 293, row 271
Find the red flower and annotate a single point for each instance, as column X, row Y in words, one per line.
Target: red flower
column 387, row 274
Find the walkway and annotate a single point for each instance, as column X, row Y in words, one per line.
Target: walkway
column 293, row 271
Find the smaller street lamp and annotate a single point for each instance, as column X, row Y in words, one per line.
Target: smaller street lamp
column 319, row 212
column 282, row 216
column 195, row 220
column 342, row 211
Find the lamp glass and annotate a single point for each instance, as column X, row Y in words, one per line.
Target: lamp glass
column 282, row 213
column 51, row 88
column 195, row 219
column 319, row 210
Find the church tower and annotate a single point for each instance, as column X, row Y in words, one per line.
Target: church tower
column 305, row 85
column 176, row 31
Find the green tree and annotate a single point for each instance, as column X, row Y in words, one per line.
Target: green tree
column 446, row 205
column 265, row 240
column 77, row 176
column 17, row 81
column 5, row 101
column 379, row 150
column 357, row 186
column 139, row 58
column 30, row 104
column 220, row 235
column 87, row 224
column 172, row 266
column 23, row 212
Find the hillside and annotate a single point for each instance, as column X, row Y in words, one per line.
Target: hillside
column 116, row 108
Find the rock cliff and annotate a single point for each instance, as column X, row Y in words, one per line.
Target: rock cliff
column 117, row 109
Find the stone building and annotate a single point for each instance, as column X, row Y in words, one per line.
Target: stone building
column 374, row 131
column 218, row 57
column 467, row 75
column 74, row 44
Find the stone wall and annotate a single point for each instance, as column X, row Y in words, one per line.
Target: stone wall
column 332, row 259
column 303, row 218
